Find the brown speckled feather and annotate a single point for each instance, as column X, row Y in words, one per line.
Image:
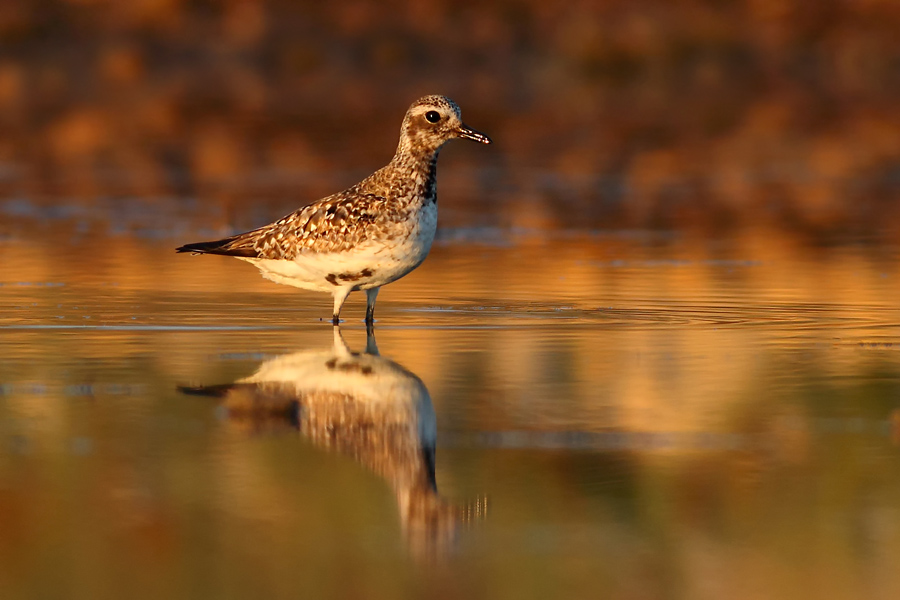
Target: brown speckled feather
column 369, row 210
column 332, row 224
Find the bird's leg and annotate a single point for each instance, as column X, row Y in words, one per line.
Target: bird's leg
column 371, row 294
column 340, row 294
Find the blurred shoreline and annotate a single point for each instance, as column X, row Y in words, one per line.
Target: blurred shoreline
column 704, row 117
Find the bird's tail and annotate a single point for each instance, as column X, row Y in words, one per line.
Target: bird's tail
column 227, row 247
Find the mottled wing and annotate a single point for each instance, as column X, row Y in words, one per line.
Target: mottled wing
column 333, row 224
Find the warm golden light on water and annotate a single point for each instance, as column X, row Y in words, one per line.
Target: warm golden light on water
column 655, row 348
column 731, row 398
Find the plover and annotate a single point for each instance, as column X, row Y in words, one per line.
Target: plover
column 372, row 233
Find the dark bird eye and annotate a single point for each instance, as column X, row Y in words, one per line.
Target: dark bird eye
column 432, row 116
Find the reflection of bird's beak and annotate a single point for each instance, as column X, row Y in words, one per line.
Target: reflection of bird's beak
column 467, row 132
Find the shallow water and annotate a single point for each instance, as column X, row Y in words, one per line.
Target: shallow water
column 612, row 415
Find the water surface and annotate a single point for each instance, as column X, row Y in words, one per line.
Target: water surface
column 583, row 414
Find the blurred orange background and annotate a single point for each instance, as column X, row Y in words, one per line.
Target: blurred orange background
column 696, row 115
column 687, row 227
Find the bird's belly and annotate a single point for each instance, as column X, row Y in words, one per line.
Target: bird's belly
column 369, row 265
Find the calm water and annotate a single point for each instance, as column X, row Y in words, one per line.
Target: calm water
column 619, row 415
column 546, row 410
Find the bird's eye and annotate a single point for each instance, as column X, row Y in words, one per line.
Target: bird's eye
column 432, row 116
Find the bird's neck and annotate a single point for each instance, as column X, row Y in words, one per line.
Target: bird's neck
column 412, row 176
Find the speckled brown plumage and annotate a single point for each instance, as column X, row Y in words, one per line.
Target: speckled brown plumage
column 384, row 211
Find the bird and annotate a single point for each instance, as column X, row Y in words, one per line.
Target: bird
column 369, row 235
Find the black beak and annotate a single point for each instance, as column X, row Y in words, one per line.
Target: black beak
column 467, row 132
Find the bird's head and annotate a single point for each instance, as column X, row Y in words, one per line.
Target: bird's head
column 432, row 121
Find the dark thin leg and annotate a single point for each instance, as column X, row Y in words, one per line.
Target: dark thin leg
column 370, row 305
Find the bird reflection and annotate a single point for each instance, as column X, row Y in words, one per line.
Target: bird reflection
column 360, row 405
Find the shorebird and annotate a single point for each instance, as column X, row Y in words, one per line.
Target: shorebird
column 369, row 235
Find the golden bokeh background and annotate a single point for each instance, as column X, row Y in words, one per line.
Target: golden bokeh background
column 659, row 325
column 611, row 113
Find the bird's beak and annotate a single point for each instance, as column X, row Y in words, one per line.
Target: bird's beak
column 467, row 132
